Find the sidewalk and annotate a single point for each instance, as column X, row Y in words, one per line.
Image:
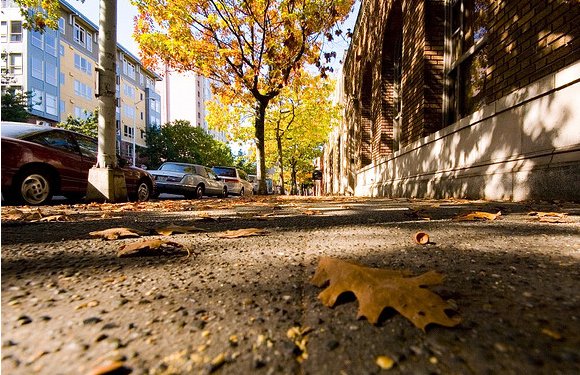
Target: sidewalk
column 71, row 306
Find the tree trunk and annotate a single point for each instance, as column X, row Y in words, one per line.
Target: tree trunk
column 280, row 159
column 261, row 106
column 294, row 190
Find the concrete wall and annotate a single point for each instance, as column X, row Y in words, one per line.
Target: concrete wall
column 525, row 145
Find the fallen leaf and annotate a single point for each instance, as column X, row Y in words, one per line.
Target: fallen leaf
column 110, row 368
column 247, row 232
column 150, row 247
column 377, row 289
column 87, row 304
column 384, row 362
column 115, row 233
column 553, row 334
column 55, row 218
column 421, row 238
column 477, row 216
column 177, row 229
column 550, row 217
column 312, row 212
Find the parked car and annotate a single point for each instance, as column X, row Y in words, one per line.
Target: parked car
column 254, row 180
column 41, row 161
column 190, row 180
column 235, row 179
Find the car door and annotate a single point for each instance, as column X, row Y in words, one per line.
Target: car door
column 65, row 156
column 216, row 185
column 88, row 149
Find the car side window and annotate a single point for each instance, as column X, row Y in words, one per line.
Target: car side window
column 201, row 171
column 59, row 140
column 88, row 147
column 211, row 174
column 190, row 170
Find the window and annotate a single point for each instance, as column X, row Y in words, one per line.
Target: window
column 15, row 63
column 3, row 31
column 61, row 25
column 79, row 34
column 56, row 139
column 141, row 115
column 129, row 90
column 129, row 111
column 81, row 113
column 61, row 49
column 467, row 73
column 83, row 90
column 16, row 31
column 90, row 42
column 83, row 64
column 51, row 74
column 128, row 131
column 88, row 147
column 50, row 42
column 141, row 79
column 61, row 78
column 131, row 70
column 51, row 106
column 62, row 107
column 38, row 100
column 37, row 68
column 37, row 39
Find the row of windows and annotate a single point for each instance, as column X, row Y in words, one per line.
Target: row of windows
column 14, row 64
column 83, row 64
column 83, row 90
column 82, row 37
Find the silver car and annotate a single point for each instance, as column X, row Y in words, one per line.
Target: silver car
column 235, row 179
column 190, row 180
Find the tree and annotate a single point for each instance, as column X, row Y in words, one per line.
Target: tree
column 16, row 106
column 88, row 125
column 251, row 49
column 180, row 142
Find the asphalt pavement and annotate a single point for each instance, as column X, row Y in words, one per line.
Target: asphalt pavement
column 246, row 305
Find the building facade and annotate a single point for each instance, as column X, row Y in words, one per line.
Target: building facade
column 185, row 95
column 58, row 68
column 460, row 98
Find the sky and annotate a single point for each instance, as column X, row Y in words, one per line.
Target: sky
column 126, row 13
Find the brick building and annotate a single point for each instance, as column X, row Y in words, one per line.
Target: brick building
column 460, row 98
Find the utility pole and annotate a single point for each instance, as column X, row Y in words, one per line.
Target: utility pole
column 106, row 179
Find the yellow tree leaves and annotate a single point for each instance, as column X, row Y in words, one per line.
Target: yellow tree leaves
column 377, row 289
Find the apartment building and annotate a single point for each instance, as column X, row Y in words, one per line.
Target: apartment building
column 58, row 67
column 185, row 95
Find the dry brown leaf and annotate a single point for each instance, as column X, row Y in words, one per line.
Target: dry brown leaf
column 55, row 218
column 177, row 229
column 115, row 233
column 299, row 336
column 377, row 289
column 150, row 247
column 478, row 216
column 110, row 368
column 246, row 232
column 312, row 212
column 550, row 217
column 421, row 238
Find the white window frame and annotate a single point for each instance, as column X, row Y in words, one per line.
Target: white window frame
column 37, row 39
column 129, row 111
column 14, row 66
column 50, row 43
column 61, row 25
column 4, row 31
column 79, row 34
column 15, row 37
column 89, row 39
column 130, row 70
column 38, row 100
column 129, row 90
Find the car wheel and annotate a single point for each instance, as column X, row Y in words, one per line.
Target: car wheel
column 225, row 192
column 34, row 188
column 143, row 191
column 242, row 192
column 199, row 192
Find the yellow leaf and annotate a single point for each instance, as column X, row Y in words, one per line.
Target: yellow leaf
column 247, row 232
column 377, row 289
column 177, row 229
column 115, row 233
column 384, row 362
column 477, row 216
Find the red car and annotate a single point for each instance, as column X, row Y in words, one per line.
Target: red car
column 41, row 161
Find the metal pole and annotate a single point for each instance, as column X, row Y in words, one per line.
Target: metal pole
column 134, row 129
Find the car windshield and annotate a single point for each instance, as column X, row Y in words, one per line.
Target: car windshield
column 228, row 172
column 21, row 131
column 180, row 168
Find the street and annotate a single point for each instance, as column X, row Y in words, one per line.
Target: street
column 245, row 305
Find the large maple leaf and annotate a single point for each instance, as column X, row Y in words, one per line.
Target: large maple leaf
column 377, row 289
